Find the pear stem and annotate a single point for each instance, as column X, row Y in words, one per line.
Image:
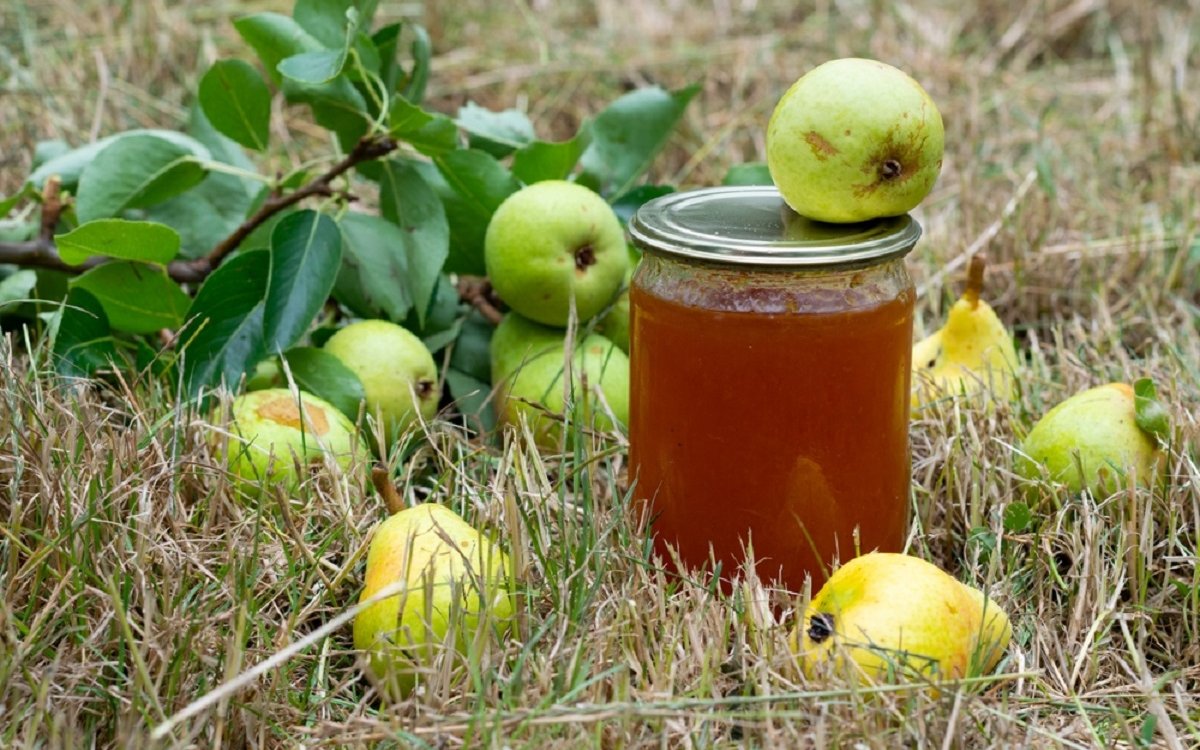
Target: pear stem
column 383, row 485
column 975, row 279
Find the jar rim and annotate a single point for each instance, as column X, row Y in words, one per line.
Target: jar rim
column 752, row 225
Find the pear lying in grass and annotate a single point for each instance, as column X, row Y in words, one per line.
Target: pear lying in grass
column 615, row 324
column 971, row 354
column 1089, row 441
column 452, row 589
column 398, row 375
column 599, row 391
column 271, row 436
column 886, row 616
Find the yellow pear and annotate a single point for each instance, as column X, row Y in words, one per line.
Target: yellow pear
column 453, row 590
column 884, row 616
column 972, row 353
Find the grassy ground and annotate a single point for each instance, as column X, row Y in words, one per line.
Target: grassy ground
column 135, row 581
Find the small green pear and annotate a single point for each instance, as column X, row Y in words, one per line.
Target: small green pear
column 397, row 372
column 553, row 241
column 449, row 577
column 269, row 435
column 517, row 340
column 615, row 325
column 1095, row 430
column 884, row 616
column 600, row 379
column 854, row 140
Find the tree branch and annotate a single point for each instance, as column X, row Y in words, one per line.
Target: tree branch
column 478, row 291
column 41, row 252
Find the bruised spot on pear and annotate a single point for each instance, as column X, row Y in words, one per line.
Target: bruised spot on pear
column 284, row 411
column 820, row 626
column 821, row 148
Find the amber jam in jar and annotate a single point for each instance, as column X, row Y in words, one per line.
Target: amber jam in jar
column 770, row 361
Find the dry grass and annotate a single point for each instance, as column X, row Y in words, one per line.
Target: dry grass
column 136, row 581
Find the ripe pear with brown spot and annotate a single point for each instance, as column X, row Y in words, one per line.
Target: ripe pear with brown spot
column 1096, row 431
column 853, row 140
column 887, row 616
column 273, row 430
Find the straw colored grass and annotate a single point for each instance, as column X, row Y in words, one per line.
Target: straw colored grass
column 136, row 581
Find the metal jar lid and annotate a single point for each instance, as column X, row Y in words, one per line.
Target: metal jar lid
column 751, row 225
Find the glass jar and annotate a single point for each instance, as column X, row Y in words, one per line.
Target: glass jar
column 770, row 364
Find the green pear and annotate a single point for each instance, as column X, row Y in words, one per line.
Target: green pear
column 397, row 372
column 553, row 241
column 883, row 616
column 1096, row 431
column 266, row 375
column 449, row 576
column 517, row 340
column 854, row 140
column 615, row 325
column 534, row 392
column 269, row 436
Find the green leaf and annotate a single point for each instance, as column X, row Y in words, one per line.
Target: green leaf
column 627, row 204
column 17, row 288
column 135, row 172
column 323, row 65
column 473, row 399
column 336, row 105
column 1017, row 518
column 223, row 337
column 326, row 19
column 1149, row 413
column 320, row 373
column 750, row 173
column 211, row 211
column 628, row 134
column 237, row 102
column 83, row 343
column 541, row 160
column 316, row 67
column 472, row 350
column 44, row 151
column 479, row 180
column 7, row 205
column 430, row 134
column 373, row 279
column 386, row 41
column 410, row 203
column 70, row 165
column 118, row 238
column 422, row 56
column 137, row 298
column 306, row 251
column 498, row 133
column 443, row 314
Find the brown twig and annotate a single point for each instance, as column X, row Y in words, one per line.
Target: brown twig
column 383, row 485
column 477, row 290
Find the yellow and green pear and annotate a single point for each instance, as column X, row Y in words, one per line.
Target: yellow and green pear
column 276, row 432
column 1091, row 441
column 452, row 588
column 884, row 617
column 971, row 354
column 854, row 140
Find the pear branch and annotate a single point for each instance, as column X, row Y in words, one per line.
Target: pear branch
column 42, row 253
column 478, row 291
